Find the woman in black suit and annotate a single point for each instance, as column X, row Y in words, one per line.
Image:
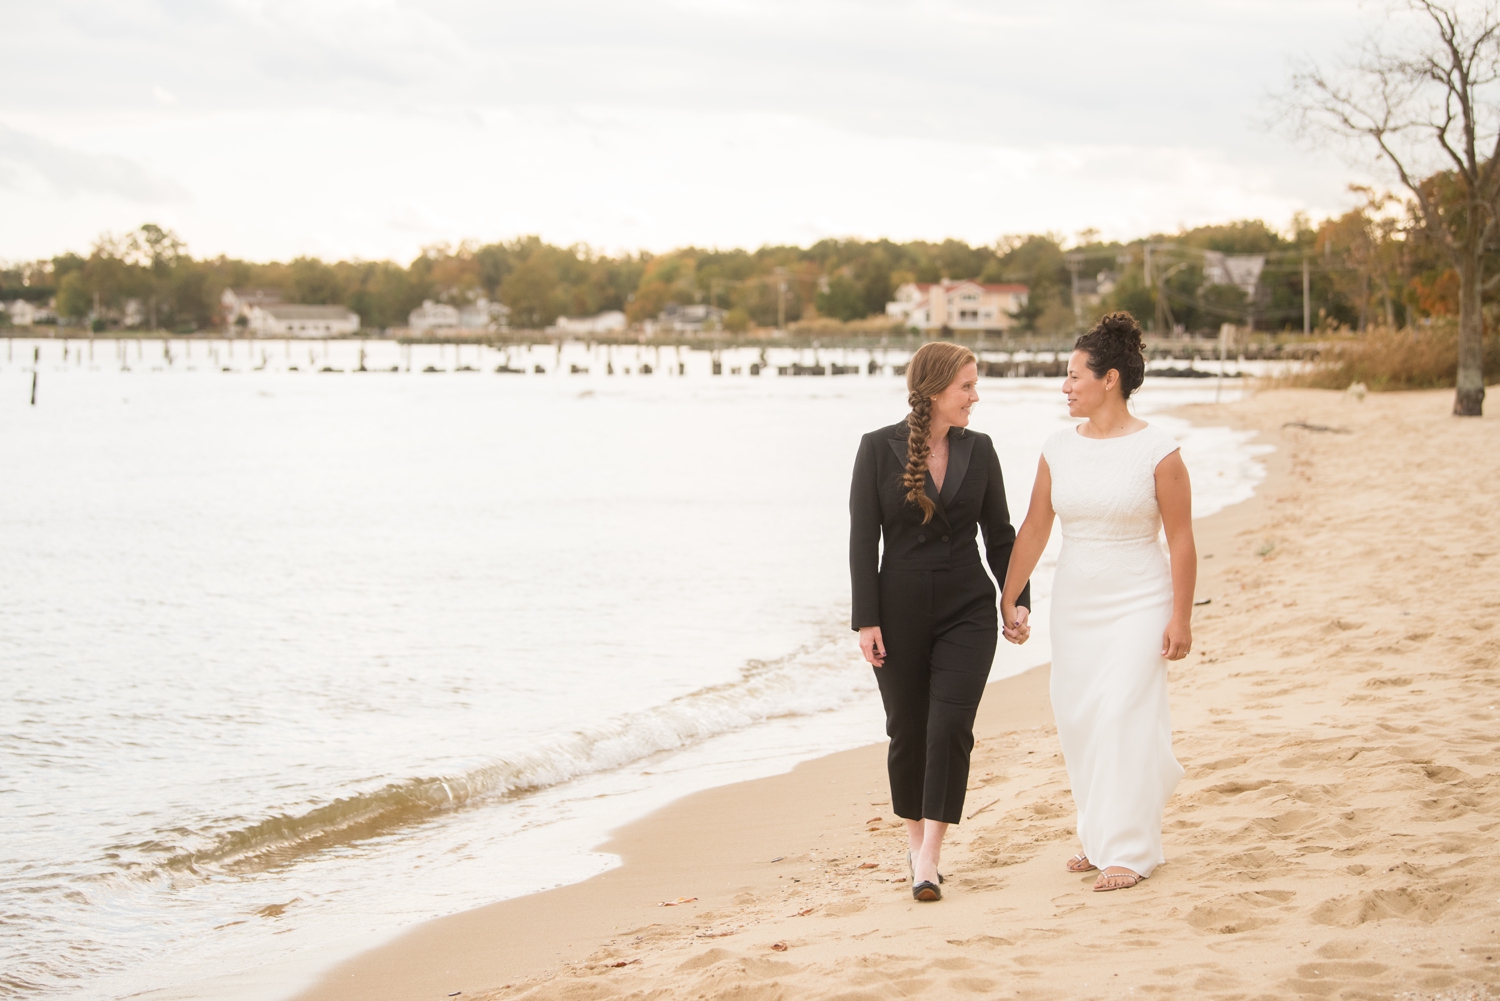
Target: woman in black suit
column 926, row 612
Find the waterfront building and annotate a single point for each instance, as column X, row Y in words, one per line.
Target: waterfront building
column 236, row 303
column 967, row 306
column 290, row 320
column 27, row 314
column 611, row 321
column 431, row 316
column 479, row 315
column 693, row 318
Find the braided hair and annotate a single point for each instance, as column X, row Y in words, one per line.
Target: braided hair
column 931, row 370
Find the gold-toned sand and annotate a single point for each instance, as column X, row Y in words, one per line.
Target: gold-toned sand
column 1337, row 834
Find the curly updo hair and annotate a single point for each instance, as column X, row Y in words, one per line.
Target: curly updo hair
column 1116, row 343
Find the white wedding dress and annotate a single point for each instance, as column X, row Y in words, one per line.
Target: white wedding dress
column 1111, row 601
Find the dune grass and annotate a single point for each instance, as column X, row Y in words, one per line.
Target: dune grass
column 1384, row 359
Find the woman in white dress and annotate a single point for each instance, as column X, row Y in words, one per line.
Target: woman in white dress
column 1121, row 606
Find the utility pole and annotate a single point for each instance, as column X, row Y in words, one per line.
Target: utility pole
column 1074, row 261
column 781, row 299
column 1165, row 323
column 1306, row 298
column 1226, row 330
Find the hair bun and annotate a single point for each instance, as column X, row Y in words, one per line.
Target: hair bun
column 1116, row 342
column 1122, row 327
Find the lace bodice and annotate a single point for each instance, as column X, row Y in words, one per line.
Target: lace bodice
column 1104, row 490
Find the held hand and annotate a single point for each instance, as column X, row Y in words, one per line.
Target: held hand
column 1177, row 641
column 1016, row 622
column 872, row 645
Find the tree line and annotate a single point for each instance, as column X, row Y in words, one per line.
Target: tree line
column 1374, row 265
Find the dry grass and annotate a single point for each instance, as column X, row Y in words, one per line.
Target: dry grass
column 1384, row 359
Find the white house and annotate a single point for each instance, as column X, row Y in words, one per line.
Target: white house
column 960, row 306
column 611, row 321
column 690, row 319
column 26, row 314
column 1234, row 269
column 481, row 314
column 432, row 316
column 478, row 315
column 288, row 320
column 237, row 302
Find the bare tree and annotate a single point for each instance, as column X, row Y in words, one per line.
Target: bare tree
column 1427, row 102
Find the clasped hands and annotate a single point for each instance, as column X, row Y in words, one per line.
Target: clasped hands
column 1017, row 629
column 1015, row 622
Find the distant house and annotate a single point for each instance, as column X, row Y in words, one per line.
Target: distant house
column 237, row 303
column 432, row 316
column 690, row 319
column 960, row 306
column 290, row 320
column 480, row 315
column 1242, row 270
column 262, row 313
column 611, row 321
column 1091, row 291
column 27, row 314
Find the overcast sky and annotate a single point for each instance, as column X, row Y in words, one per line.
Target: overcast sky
column 266, row 129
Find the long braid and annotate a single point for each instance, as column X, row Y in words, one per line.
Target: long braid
column 918, row 451
column 932, row 369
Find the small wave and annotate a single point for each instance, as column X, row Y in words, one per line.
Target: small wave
column 815, row 678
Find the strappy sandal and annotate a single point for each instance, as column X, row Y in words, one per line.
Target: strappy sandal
column 1104, row 886
column 1087, row 866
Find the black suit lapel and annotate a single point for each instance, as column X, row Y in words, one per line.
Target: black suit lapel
column 959, row 450
column 899, row 446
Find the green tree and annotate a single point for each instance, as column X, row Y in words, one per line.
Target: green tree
column 844, row 299
column 73, row 298
column 314, row 282
column 532, row 293
column 650, row 299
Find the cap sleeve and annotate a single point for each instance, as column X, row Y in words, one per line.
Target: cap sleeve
column 1054, row 442
column 1162, row 445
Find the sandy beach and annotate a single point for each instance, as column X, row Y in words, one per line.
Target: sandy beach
column 1335, row 836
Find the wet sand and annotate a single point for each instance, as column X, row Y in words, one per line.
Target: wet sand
column 1337, row 833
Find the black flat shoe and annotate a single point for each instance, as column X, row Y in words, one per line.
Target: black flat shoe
column 911, row 870
column 926, row 891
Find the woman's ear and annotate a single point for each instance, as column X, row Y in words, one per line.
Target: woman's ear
column 1111, row 379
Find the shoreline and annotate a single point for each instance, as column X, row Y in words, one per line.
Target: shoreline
column 1333, row 836
column 721, row 847
column 528, row 937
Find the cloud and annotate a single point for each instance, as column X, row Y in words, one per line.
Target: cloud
column 385, row 124
column 70, row 171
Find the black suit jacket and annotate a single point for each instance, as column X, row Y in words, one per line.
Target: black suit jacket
column 973, row 497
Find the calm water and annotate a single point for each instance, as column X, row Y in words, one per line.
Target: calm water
column 296, row 657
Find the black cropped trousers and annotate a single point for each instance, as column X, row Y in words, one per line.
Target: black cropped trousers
column 940, row 628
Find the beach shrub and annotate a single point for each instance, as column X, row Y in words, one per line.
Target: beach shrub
column 1419, row 357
